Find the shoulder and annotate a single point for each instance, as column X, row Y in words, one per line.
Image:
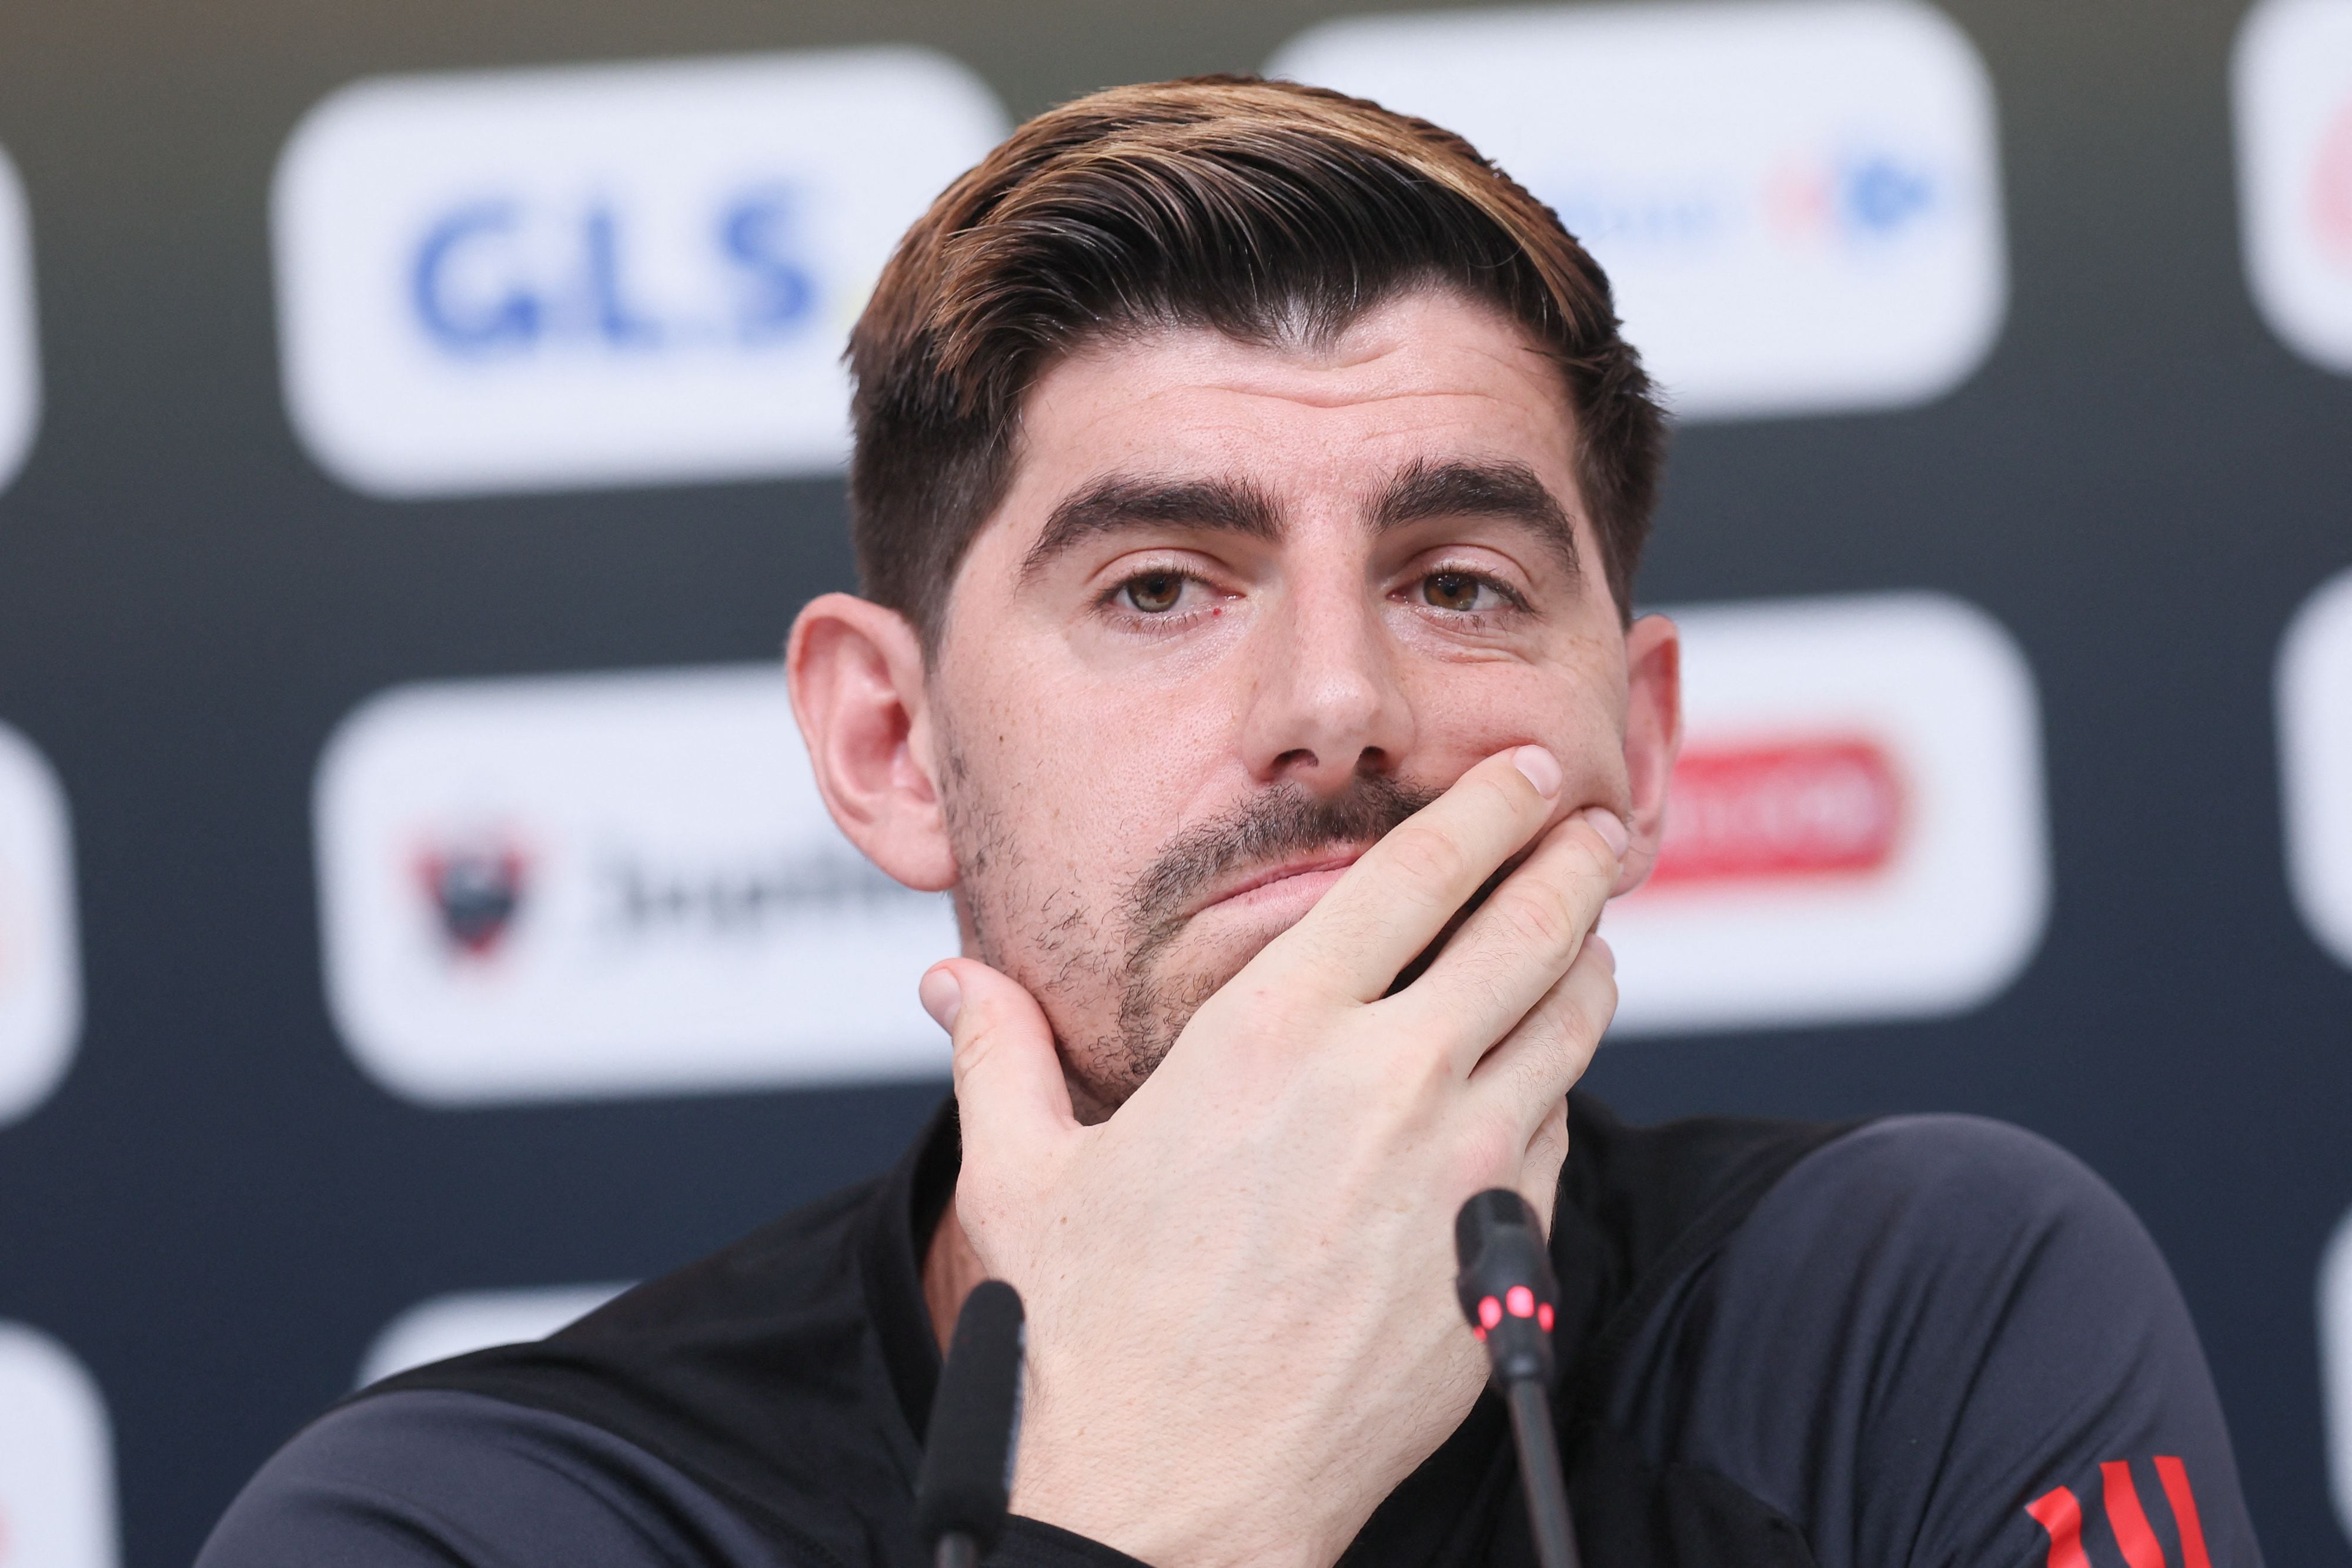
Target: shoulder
column 1948, row 1158
column 1950, row 1236
column 1950, row 1194
column 442, row 1478
column 1925, row 1325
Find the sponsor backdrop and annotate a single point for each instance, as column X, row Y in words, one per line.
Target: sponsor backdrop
column 419, row 422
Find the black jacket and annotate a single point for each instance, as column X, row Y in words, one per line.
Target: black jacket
column 1926, row 1340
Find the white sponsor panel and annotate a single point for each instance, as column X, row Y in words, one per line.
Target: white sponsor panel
column 2336, row 1365
column 56, row 1458
column 588, row 885
column 40, row 968
column 2314, row 726
column 2292, row 85
column 466, row 1321
column 20, row 357
column 1855, row 830
column 1798, row 203
column 601, row 274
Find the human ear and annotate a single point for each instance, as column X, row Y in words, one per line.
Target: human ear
column 1653, row 737
column 855, row 671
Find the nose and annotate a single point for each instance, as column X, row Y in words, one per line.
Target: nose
column 1328, row 705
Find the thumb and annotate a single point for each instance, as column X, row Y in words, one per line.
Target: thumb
column 1010, row 1093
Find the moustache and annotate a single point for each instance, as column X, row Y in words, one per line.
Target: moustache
column 1279, row 824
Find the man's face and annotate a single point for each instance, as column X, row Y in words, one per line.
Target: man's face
column 1241, row 610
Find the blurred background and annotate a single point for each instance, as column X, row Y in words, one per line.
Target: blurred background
column 419, row 423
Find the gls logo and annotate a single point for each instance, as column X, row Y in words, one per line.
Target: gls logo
column 56, row 1458
column 1798, row 203
column 610, row 274
column 1856, row 828
column 498, row 278
column 2292, row 86
column 612, row 884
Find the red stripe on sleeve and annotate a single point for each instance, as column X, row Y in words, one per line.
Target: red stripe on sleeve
column 2058, row 1512
column 2126, row 1516
column 2174, row 1476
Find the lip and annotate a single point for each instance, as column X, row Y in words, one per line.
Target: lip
column 1326, row 864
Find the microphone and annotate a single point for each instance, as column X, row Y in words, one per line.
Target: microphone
column 1510, row 1295
column 966, row 1481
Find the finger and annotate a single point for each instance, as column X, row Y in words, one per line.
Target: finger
column 1011, row 1097
column 1514, row 947
column 1394, row 901
column 1547, row 1153
column 1529, row 1073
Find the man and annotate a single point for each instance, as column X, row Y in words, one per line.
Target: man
column 1248, row 488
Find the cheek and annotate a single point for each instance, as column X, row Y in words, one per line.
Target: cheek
column 1091, row 775
column 1469, row 714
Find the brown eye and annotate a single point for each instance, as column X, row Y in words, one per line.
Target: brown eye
column 1456, row 591
column 1155, row 592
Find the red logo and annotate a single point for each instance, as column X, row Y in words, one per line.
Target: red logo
column 2060, row 1516
column 1798, row 808
column 476, row 891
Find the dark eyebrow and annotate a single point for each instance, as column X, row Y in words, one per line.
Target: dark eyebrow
column 1484, row 488
column 1121, row 501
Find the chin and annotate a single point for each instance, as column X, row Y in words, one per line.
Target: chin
column 1203, row 961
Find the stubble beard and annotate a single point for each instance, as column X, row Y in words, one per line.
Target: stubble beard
column 1066, row 951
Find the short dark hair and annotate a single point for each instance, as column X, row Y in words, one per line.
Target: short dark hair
column 1270, row 212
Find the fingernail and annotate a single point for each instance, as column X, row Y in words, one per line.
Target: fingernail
column 1598, row 945
column 941, row 997
column 1611, row 831
column 1542, row 769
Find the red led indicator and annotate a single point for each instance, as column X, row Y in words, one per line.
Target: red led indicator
column 1490, row 1313
column 1521, row 1300
column 1543, row 1316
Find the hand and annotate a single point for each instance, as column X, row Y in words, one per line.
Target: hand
column 1241, row 1330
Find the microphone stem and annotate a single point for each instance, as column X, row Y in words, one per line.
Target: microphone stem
column 1540, row 1473
column 958, row 1550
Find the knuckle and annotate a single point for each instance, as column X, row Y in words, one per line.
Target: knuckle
column 1481, row 986
column 1590, row 856
column 980, row 1045
column 1508, row 790
column 1427, row 861
column 1553, row 1063
column 1541, row 1166
column 1491, row 1151
column 1532, row 1077
column 1549, row 1145
column 1538, row 919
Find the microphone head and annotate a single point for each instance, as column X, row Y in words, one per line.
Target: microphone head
column 966, row 1481
column 1495, row 1208
column 1507, row 1286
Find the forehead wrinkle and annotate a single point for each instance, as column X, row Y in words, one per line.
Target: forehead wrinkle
column 1115, row 503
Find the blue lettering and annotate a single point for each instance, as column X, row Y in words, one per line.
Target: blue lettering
column 621, row 326
column 1881, row 195
column 510, row 320
column 1661, row 216
column 778, row 295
